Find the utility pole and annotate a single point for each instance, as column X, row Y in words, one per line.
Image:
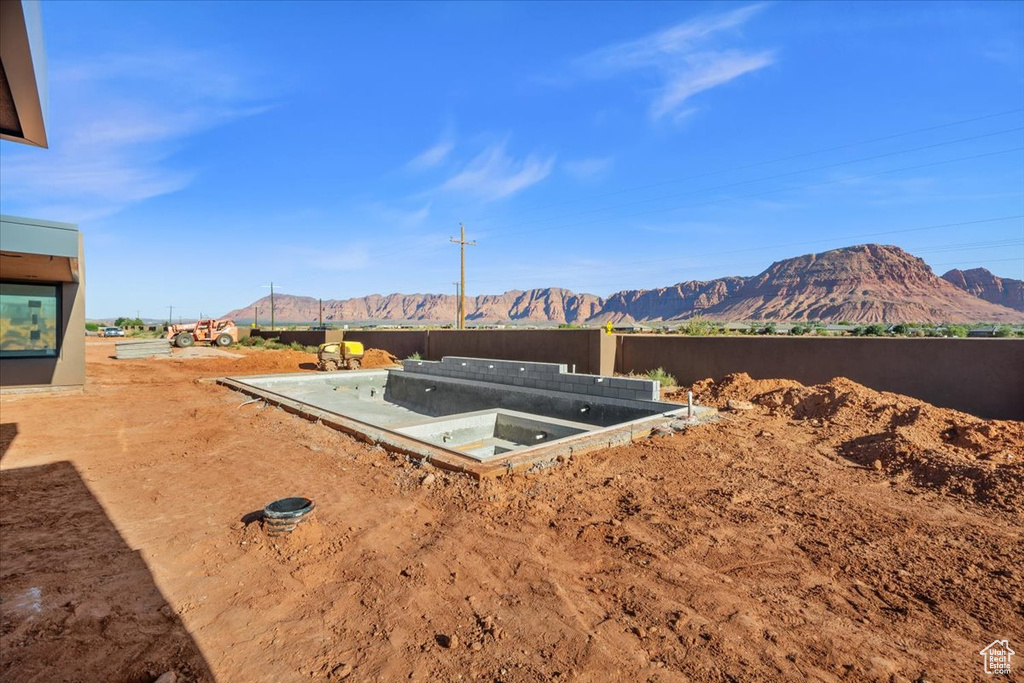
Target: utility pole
column 170, row 315
column 462, row 288
column 321, row 312
column 458, row 306
column 271, row 285
column 255, row 316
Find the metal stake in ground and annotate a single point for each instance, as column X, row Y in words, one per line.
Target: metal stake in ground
column 462, row 290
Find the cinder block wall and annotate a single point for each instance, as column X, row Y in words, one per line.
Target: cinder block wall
column 984, row 377
column 547, row 376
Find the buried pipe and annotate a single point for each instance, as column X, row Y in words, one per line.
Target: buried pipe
column 282, row 516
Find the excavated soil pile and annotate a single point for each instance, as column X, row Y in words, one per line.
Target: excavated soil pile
column 376, row 358
column 936, row 447
column 739, row 386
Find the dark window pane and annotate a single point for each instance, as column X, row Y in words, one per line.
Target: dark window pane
column 28, row 320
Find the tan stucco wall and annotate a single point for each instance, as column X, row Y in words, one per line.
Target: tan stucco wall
column 984, row 377
column 68, row 368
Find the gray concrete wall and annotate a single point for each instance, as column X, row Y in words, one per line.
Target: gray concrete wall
column 68, row 368
column 450, row 396
column 984, row 377
column 546, row 376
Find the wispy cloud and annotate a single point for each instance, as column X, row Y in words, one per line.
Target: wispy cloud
column 352, row 257
column 688, row 58
column 403, row 219
column 493, row 174
column 115, row 122
column 433, row 156
column 587, row 169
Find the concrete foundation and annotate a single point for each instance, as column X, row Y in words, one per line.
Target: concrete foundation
column 484, row 417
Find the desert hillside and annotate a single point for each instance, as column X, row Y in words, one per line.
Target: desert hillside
column 866, row 284
column 984, row 285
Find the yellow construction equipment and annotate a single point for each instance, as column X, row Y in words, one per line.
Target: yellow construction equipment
column 336, row 355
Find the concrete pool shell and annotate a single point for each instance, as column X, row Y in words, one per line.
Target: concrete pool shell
column 480, row 416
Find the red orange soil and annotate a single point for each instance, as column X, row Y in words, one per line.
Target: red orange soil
column 766, row 546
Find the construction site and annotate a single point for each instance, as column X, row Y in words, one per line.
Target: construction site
column 704, row 414
column 458, row 524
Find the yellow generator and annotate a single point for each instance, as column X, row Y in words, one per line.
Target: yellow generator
column 336, row 355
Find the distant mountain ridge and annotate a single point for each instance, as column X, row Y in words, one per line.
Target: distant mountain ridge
column 992, row 288
column 867, row 283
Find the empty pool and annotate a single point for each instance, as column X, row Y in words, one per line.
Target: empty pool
column 466, row 413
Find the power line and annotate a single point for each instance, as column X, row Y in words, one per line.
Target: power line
column 772, row 191
column 745, row 196
column 779, row 159
column 646, row 262
column 761, row 179
column 765, row 178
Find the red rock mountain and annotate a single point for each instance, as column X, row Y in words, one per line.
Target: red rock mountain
column 992, row 288
column 867, row 283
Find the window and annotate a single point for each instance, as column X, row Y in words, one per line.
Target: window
column 28, row 320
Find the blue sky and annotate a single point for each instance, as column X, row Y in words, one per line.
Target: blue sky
column 206, row 149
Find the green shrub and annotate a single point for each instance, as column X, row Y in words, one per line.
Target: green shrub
column 415, row 356
column 1004, row 331
column 900, row 329
column 957, row 331
column 697, row 327
column 875, row 330
column 659, row 375
column 92, row 327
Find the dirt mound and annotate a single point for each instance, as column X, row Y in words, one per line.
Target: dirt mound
column 737, row 386
column 376, row 358
column 936, row 447
column 256, row 361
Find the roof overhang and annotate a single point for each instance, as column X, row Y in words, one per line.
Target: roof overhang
column 32, row 249
column 23, row 94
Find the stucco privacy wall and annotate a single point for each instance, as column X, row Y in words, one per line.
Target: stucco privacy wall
column 579, row 348
column 399, row 343
column 984, row 377
column 590, row 351
column 304, row 337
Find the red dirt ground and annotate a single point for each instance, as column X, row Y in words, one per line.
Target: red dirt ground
column 830, row 533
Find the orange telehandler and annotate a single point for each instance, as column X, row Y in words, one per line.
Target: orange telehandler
column 208, row 331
